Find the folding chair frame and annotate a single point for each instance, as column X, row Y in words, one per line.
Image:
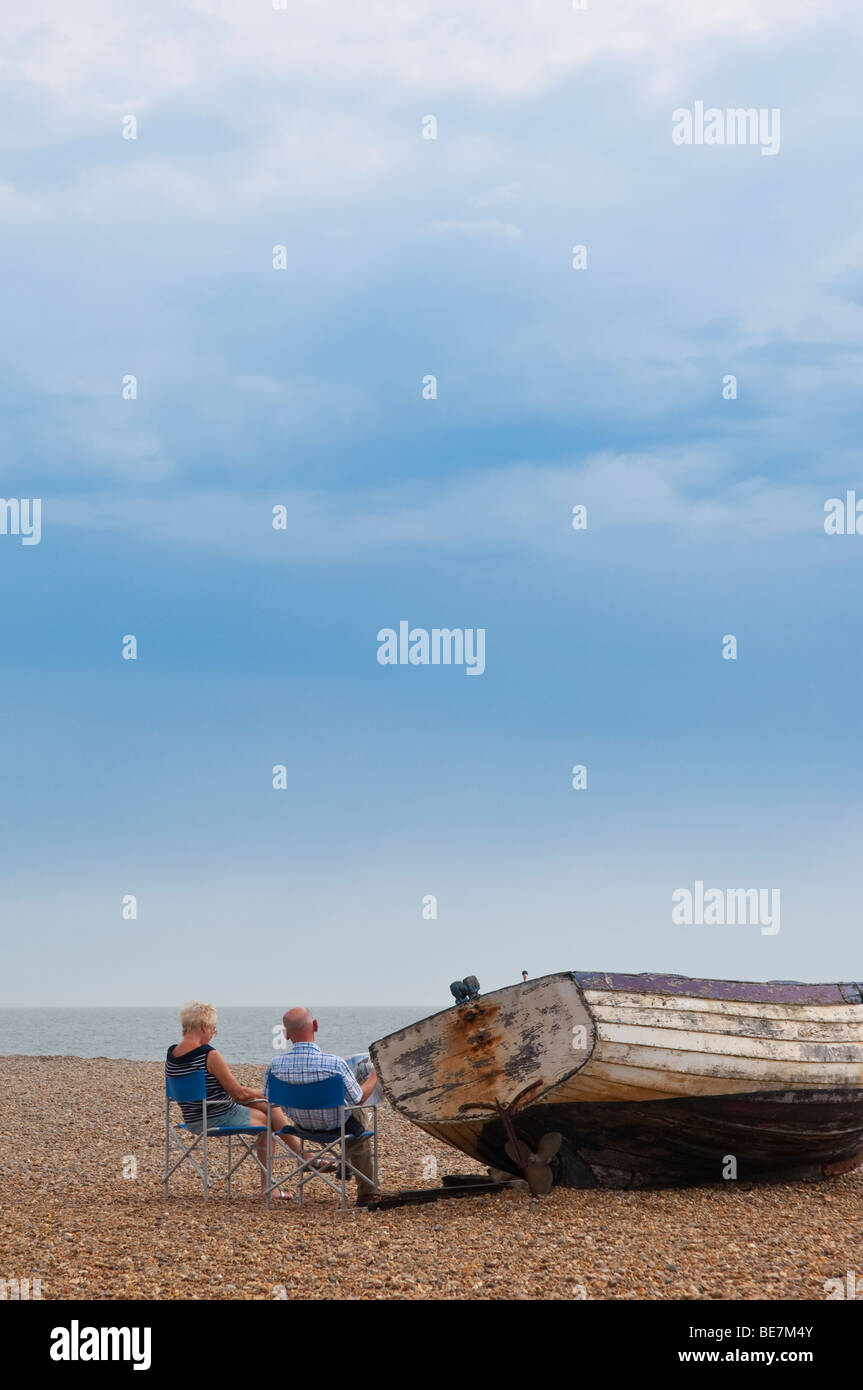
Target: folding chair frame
column 174, row 1139
column 304, row 1170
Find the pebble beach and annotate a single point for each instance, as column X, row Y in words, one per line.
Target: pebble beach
column 82, row 1210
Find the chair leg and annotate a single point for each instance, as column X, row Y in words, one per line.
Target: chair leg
column 375, row 1151
column 167, row 1143
column 269, row 1153
column 230, row 1137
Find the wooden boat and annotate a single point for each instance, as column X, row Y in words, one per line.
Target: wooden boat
column 649, row 1079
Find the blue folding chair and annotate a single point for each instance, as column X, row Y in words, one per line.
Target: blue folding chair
column 328, row 1094
column 193, row 1086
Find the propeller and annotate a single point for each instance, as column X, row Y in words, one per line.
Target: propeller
column 536, row 1166
column 539, row 1178
column 537, row 1171
column 519, row 1153
column 549, row 1146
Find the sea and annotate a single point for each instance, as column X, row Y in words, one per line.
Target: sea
column 144, row 1035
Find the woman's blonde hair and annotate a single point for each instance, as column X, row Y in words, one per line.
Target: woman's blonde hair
column 195, row 1016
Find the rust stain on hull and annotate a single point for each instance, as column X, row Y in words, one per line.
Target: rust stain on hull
column 470, row 1061
column 504, row 1048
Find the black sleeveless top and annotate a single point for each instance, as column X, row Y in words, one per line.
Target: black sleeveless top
column 218, row 1100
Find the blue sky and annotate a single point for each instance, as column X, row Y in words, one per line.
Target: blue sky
column 302, row 387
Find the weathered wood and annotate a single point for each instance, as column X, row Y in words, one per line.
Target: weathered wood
column 504, row 1047
column 751, row 991
column 833, row 1013
column 650, row 1079
column 798, row 1029
column 732, row 1045
column 411, row 1197
column 778, row 1071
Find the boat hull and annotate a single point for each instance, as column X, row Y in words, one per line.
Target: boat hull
column 771, row 1136
column 650, row 1080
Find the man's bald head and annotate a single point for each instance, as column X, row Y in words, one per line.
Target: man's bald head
column 299, row 1025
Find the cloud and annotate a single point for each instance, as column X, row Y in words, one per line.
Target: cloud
column 19, row 209
column 500, row 49
column 302, row 127
column 502, row 193
column 849, row 283
column 518, row 509
column 489, row 227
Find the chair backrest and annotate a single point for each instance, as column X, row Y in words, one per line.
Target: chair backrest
column 328, row 1094
column 191, row 1086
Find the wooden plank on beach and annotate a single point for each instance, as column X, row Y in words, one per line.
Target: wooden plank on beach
column 410, row 1197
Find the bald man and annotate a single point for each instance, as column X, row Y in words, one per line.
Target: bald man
column 306, row 1062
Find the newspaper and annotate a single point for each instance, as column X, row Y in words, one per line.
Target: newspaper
column 361, row 1065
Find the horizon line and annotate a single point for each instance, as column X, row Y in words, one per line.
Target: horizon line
column 220, row 1006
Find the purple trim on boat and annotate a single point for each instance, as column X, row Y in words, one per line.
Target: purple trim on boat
column 767, row 992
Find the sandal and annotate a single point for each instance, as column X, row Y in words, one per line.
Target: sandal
column 322, row 1165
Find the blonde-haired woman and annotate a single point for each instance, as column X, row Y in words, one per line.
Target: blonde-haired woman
column 228, row 1103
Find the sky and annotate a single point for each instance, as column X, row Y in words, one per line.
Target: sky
column 408, row 257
